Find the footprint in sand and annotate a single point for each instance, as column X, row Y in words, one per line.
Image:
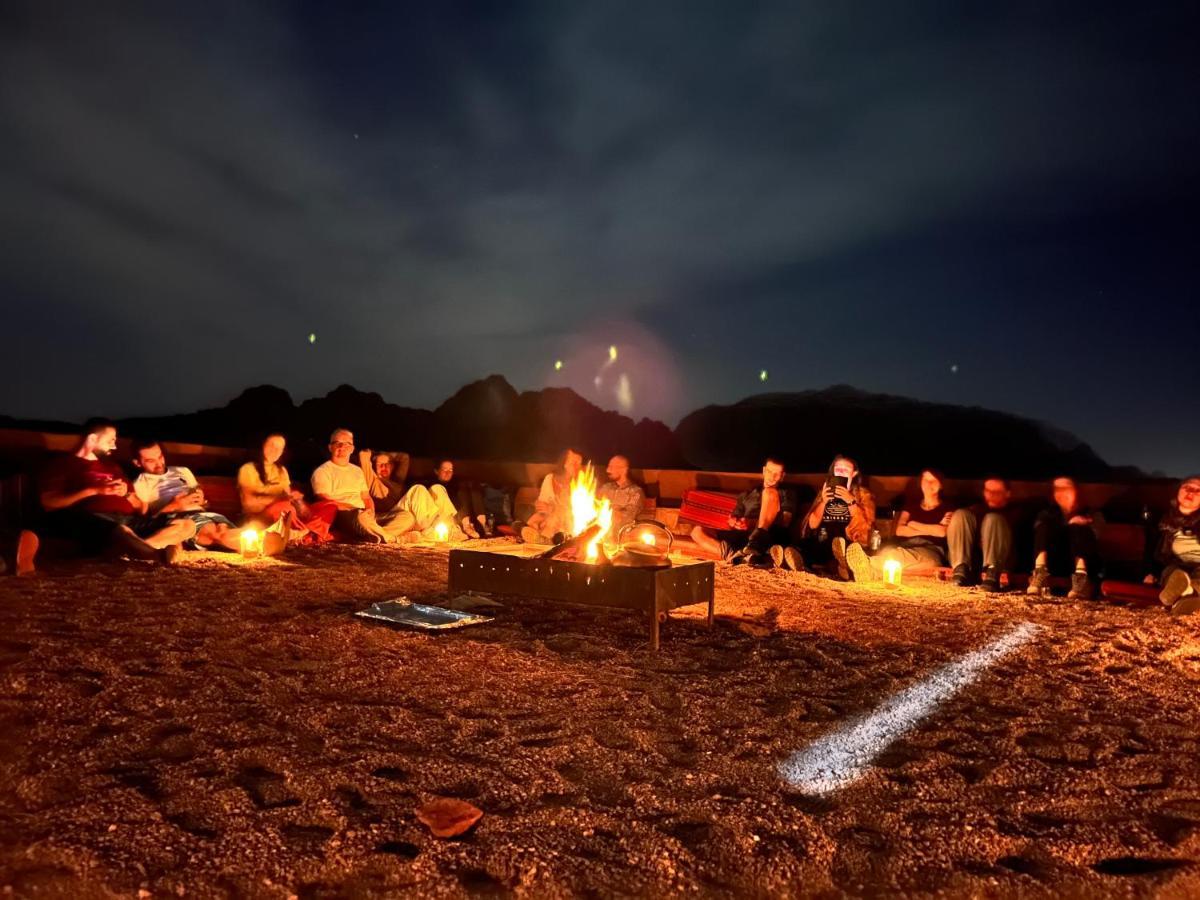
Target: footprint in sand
column 267, row 789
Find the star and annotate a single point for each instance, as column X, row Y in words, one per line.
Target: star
column 762, row 376
column 558, row 364
column 312, row 338
column 954, row 369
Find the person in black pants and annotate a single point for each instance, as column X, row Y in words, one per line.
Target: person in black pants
column 759, row 521
column 1064, row 540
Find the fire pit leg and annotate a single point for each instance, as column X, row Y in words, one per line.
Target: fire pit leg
column 711, row 602
column 654, row 629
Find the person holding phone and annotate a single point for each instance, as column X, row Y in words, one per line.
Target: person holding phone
column 844, row 510
column 921, row 527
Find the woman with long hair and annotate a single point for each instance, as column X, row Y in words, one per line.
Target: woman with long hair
column 843, row 512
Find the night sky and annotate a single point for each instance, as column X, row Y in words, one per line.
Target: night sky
column 990, row 204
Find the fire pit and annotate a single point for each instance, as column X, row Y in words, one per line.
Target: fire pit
column 522, row 571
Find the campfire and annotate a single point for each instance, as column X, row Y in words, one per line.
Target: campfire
column 591, row 521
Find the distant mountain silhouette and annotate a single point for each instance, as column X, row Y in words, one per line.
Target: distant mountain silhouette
column 886, row 434
column 489, row 419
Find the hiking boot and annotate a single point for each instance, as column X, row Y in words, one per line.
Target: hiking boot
column 777, row 556
column 27, row 548
column 859, row 564
column 1176, row 586
column 792, row 559
column 1039, row 583
column 1185, row 606
column 1082, row 587
column 961, row 576
column 838, row 546
column 761, row 561
column 990, row 581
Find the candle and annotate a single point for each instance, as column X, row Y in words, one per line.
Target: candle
column 442, row 531
column 891, row 572
column 251, row 542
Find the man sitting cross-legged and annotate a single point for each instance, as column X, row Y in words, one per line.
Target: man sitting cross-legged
column 343, row 484
column 410, row 515
column 983, row 533
column 88, row 502
column 170, row 493
column 759, row 521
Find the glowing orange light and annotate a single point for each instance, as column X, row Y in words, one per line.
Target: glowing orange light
column 586, row 511
column 442, row 530
column 891, row 572
column 648, row 538
column 251, row 542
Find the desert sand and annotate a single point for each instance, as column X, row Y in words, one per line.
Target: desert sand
column 229, row 729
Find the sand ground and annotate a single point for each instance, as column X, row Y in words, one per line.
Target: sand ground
column 230, row 730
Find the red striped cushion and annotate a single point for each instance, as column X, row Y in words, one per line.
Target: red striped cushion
column 707, row 508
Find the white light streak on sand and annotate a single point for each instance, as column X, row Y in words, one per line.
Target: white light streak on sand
column 840, row 758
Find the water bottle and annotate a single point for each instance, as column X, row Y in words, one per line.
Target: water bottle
column 876, row 540
column 822, row 535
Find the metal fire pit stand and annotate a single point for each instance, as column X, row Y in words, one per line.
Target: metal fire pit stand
column 652, row 591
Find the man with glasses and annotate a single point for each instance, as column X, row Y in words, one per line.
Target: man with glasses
column 983, row 533
column 343, row 484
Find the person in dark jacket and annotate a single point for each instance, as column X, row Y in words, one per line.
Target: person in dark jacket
column 1064, row 539
column 759, row 521
column 1178, row 550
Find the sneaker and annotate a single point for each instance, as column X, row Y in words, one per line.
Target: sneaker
column 961, row 576
column 469, row 529
column 1177, row 585
column 859, row 564
column 725, row 551
column 792, row 559
column 838, row 546
column 1082, row 587
column 777, row 556
column 761, row 561
column 1039, row 583
column 27, row 548
column 990, row 581
column 740, row 556
column 1185, row 606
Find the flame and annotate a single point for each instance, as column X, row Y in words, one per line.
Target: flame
column 648, row 538
column 891, row 571
column 251, row 542
column 586, row 511
column 442, row 530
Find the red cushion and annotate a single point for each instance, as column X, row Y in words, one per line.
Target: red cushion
column 1130, row 592
column 707, row 508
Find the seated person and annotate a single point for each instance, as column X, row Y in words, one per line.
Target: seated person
column 552, row 510
column 844, row 510
column 1064, row 540
column 1178, row 550
column 983, row 533
column 267, row 496
column 171, row 492
column 467, row 496
column 921, row 528
column 88, row 501
column 341, row 483
column 759, row 522
column 626, row 497
column 407, row 515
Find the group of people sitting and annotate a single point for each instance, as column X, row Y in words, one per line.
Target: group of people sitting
column 838, row 536
column 87, row 499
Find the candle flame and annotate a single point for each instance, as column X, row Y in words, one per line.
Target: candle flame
column 442, row 530
column 648, row 538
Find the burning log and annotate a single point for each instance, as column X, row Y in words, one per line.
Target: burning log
column 578, row 543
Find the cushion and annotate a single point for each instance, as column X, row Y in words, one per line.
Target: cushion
column 710, row 509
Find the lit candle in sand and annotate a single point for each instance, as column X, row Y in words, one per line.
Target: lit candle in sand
column 891, row 572
column 442, row 530
column 251, row 542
